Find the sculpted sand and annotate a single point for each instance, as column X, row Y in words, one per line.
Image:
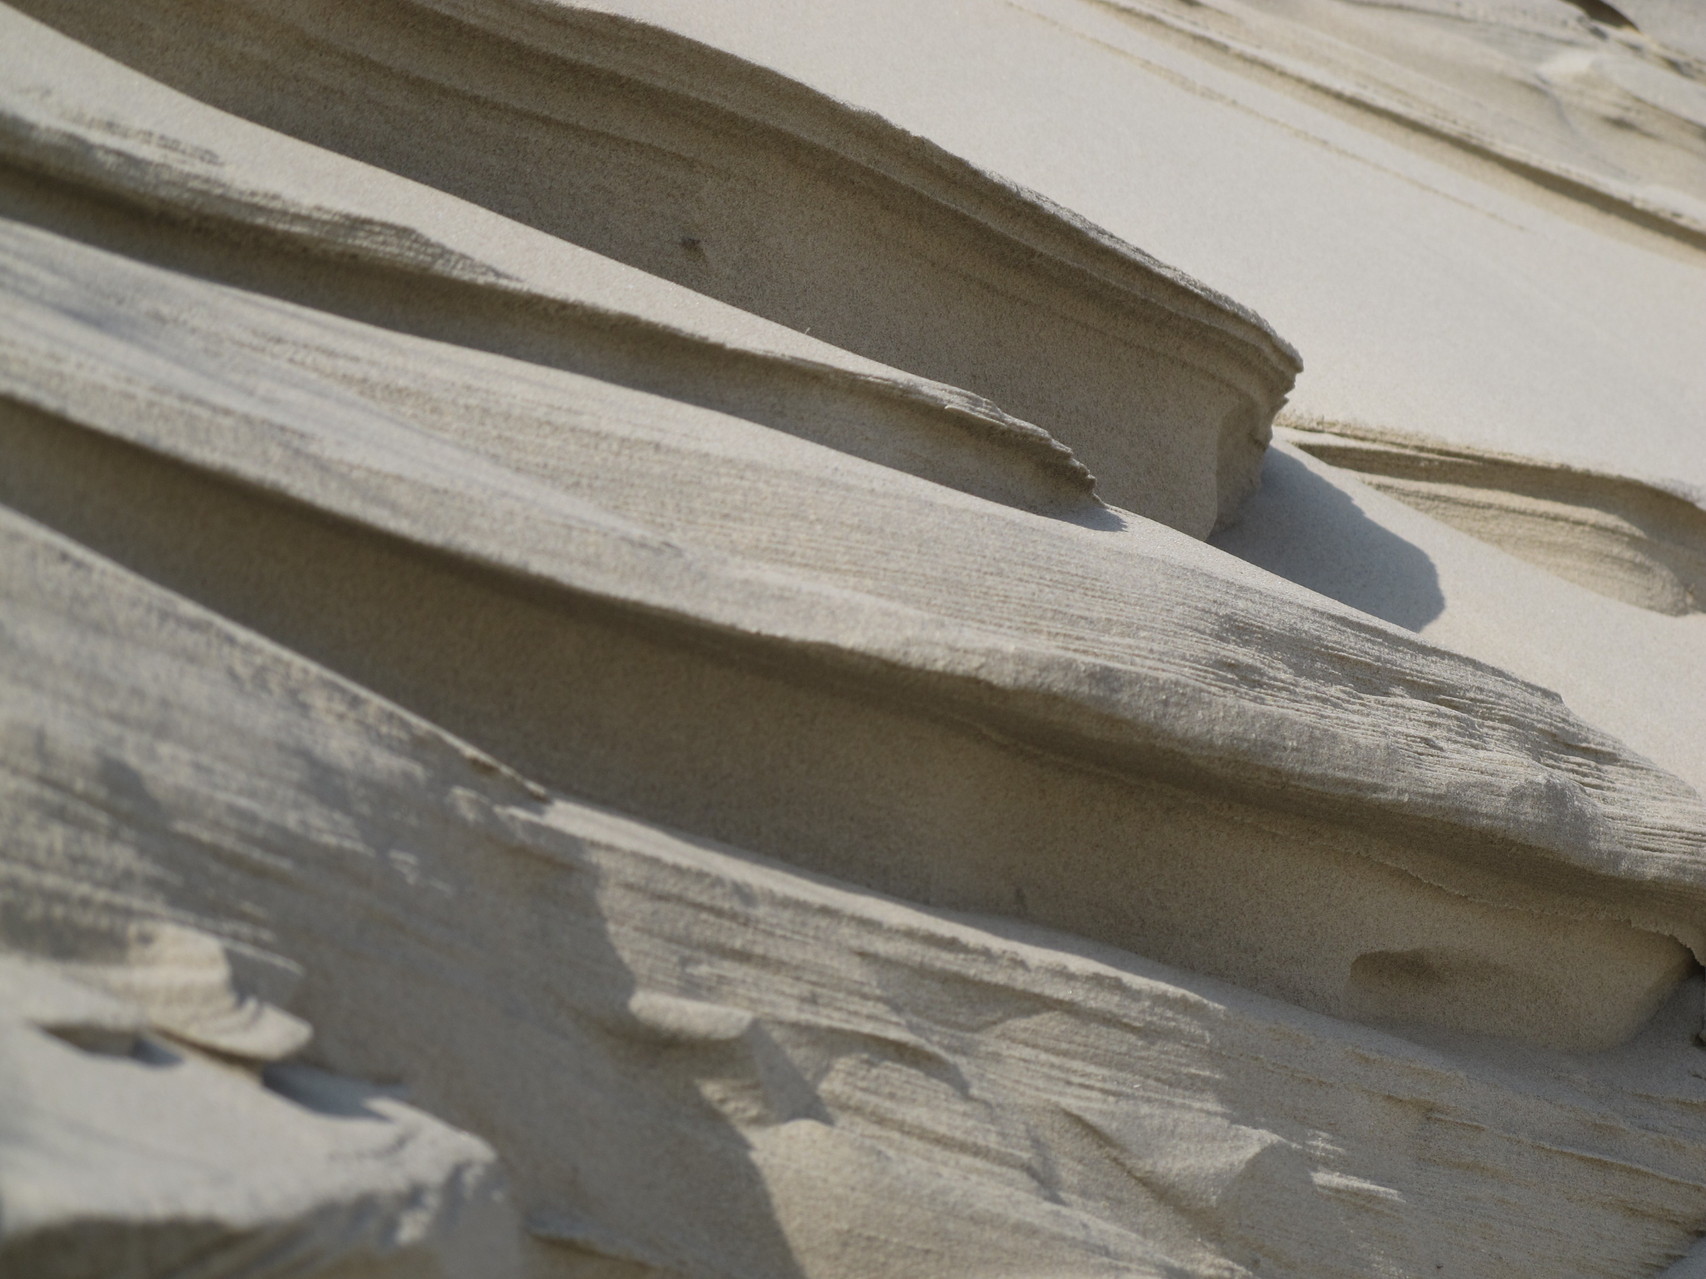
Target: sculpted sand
column 638, row 641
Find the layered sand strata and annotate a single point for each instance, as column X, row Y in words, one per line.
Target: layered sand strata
column 696, row 1061
column 762, row 794
column 945, row 699
column 704, row 169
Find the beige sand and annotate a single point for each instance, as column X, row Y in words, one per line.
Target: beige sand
column 706, row 1062
column 1616, row 536
column 569, row 704
column 1631, row 670
column 1473, row 778
column 1431, row 290
column 828, row 220
column 130, row 1152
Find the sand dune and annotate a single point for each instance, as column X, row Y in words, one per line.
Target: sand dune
column 117, row 160
column 703, row 1062
column 864, row 235
column 1430, row 292
column 1458, row 774
column 635, row 640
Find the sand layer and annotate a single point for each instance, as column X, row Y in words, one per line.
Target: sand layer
column 1619, row 537
column 612, row 663
column 602, row 131
column 694, row 1061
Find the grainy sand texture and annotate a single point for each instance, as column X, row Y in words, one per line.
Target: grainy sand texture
column 666, row 640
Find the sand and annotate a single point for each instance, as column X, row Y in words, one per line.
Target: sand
column 1429, row 289
column 708, row 1062
column 641, row 641
column 867, row 236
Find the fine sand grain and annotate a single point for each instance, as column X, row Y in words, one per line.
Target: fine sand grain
column 643, row 640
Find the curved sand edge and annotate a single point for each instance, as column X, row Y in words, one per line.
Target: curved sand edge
column 103, row 154
column 601, row 998
column 1302, row 727
column 761, row 192
column 1629, row 539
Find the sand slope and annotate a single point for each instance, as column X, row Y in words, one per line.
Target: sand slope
column 1430, row 291
column 827, row 219
column 608, row 665
column 1376, row 744
column 1624, row 667
column 707, row 1063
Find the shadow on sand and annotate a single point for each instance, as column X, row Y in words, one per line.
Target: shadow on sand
column 1300, row 527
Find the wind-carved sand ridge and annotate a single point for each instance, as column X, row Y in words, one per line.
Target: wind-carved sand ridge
column 519, row 758
column 206, row 201
column 1618, row 536
column 913, row 1062
column 824, row 219
column 1471, row 778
